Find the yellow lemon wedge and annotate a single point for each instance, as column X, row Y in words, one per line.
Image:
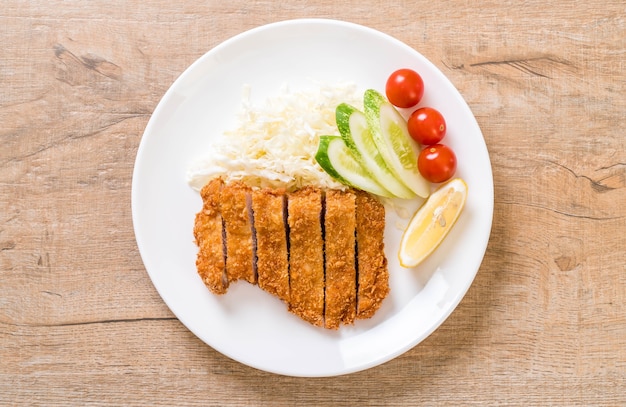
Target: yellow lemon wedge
column 432, row 222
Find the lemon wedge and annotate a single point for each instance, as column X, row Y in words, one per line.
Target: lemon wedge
column 432, row 222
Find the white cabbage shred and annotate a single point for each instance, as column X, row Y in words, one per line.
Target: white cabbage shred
column 274, row 144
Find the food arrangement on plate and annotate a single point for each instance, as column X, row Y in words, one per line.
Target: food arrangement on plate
column 291, row 99
column 293, row 199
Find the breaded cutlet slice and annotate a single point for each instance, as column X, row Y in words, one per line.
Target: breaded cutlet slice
column 373, row 276
column 208, row 232
column 268, row 208
column 238, row 230
column 339, row 231
column 306, row 255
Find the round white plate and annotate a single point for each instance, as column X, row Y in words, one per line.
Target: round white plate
column 247, row 324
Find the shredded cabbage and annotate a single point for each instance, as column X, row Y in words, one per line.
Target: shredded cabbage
column 274, row 145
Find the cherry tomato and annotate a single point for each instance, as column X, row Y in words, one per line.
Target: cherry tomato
column 404, row 88
column 427, row 126
column 437, row 163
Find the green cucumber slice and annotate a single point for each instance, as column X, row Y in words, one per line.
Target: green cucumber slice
column 337, row 160
column 392, row 139
column 352, row 125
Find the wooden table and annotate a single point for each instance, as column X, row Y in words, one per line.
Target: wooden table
column 544, row 322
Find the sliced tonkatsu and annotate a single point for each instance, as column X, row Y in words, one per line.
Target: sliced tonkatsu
column 319, row 251
column 339, row 229
column 208, row 232
column 272, row 257
column 234, row 205
column 306, row 255
column 373, row 277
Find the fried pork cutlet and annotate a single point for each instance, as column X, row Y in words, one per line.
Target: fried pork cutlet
column 306, row 255
column 268, row 208
column 373, row 277
column 322, row 253
column 339, row 230
column 211, row 258
column 238, row 231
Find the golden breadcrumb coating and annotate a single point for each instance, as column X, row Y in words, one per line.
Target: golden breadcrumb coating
column 319, row 251
column 271, row 239
column 339, row 222
column 211, row 261
column 238, row 228
column 373, row 277
column 306, row 255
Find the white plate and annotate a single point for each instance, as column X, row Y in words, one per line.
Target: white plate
column 247, row 324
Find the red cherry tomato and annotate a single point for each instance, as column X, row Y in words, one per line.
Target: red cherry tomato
column 404, row 88
column 437, row 163
column 427, row 126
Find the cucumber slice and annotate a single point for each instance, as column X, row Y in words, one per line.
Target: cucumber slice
column 392, row 139
column 354, row 131
column 336, row 159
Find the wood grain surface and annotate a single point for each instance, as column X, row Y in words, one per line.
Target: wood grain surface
column 544, row 322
